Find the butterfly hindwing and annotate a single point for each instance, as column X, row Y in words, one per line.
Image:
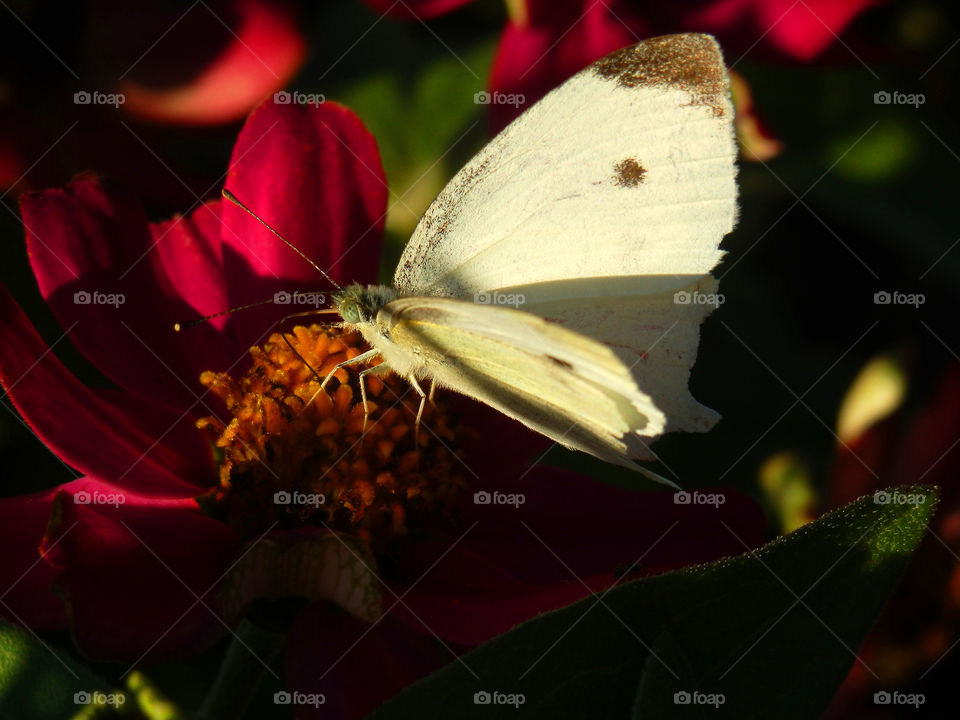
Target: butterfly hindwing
column 557, row 382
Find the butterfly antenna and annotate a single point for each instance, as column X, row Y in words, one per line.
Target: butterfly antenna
column 233, row 198
column 177, row 327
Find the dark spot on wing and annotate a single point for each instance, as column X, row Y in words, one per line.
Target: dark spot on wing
column 629, row 173
column 562, row 363
column 689, row 62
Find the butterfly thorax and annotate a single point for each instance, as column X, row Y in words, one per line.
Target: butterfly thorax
column 358, row 304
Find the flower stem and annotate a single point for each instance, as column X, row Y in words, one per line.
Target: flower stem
column 249, row 657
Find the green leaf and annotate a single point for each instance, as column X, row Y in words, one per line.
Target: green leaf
column 40, row 683
column 766, row 634
column 426, row 127
column 37, row 682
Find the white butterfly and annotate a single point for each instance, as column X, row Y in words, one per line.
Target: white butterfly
column 599, row 208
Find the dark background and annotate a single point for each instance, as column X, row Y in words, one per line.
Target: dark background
column 863, row 198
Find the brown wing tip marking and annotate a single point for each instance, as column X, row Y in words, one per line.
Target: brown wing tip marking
column 628, row 173
column 689, row 62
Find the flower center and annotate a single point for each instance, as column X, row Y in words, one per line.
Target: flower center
column 297, row 454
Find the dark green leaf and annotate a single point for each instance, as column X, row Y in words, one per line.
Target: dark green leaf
column 38, row 683
column 766, row 634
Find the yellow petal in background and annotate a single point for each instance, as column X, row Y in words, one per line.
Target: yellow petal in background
column 756, row 142
column 787, row 488
column 876, row 393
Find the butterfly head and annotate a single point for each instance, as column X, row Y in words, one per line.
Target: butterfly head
column 358, row 304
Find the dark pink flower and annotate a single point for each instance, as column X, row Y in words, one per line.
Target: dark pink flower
column 798, row 30
column 134, row 553
column 119, row 86
column 546, row 42
column 315, row 173
column 259, row 48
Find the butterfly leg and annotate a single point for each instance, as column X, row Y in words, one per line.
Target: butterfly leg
column 423, row 401
column 376, row 369
column 362, row 357
column 433, row 387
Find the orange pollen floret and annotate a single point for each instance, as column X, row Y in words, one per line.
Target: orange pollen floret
column 298, row 455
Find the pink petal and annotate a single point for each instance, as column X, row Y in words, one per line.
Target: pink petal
column 927, row 449
column 102, row 432
column 28, row 596
column 262, row 49
column 800, row 30
column 517, row 562
column 314, row 174
column 132, row 568
column 95, row 240
column 482, row 427
column 175, row 444
column 356, row 666
column 12, row 166
column 189, row 251
column 553, row 42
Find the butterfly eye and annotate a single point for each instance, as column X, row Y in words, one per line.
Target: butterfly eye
column 350, row 311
